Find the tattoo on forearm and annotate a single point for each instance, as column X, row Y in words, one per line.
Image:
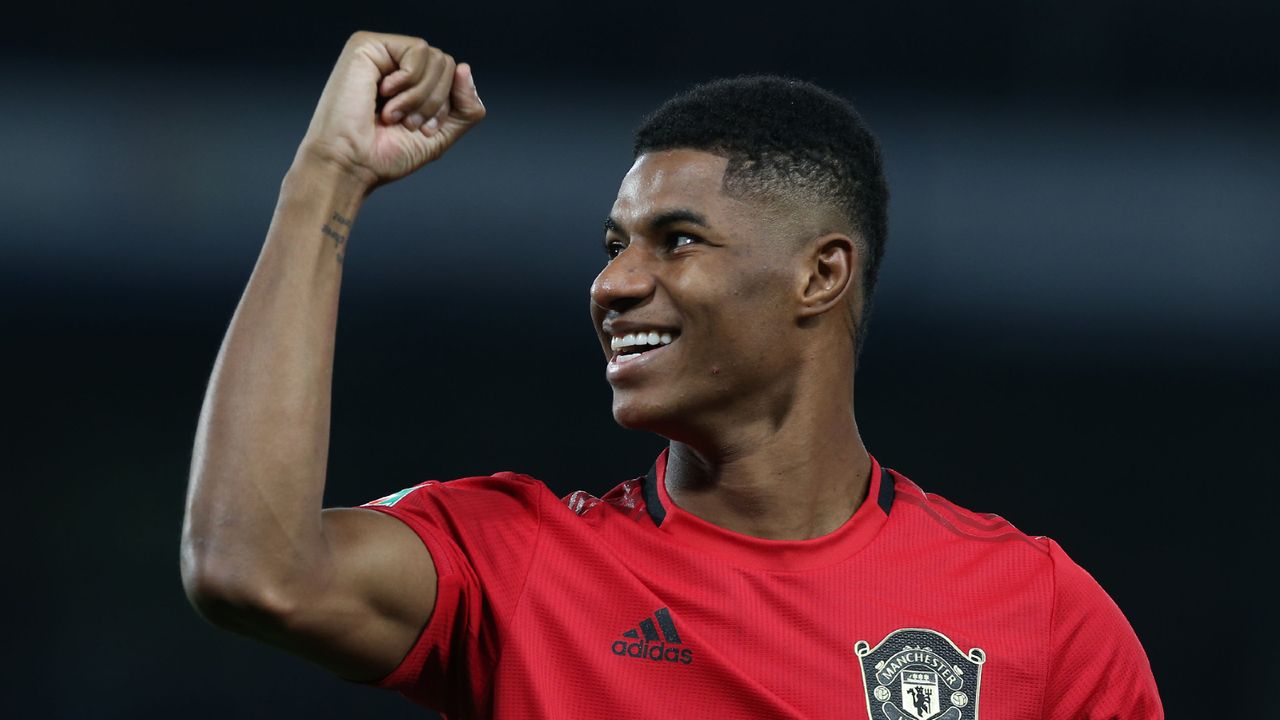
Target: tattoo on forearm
column 338, row 238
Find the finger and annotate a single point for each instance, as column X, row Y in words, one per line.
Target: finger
column 466, row 107
column 437, row 97
column 386, row 51
column 412, row 64
column 395, row 82
column 435, row 121
column 408, row 104
column 387, row 89
column 421, row 100
column 418, row 64
column 464, row 98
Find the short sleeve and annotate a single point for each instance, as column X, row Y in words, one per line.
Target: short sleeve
column 1098, row 669
column 482, row 534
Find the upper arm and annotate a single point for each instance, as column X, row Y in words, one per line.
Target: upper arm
column 369, row 602
column 459, row 551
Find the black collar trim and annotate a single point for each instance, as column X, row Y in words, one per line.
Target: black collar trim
column 658, row 513
column 887, row 491
column 652, row 502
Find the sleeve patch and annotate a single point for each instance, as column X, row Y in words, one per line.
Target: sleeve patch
column 395, row 497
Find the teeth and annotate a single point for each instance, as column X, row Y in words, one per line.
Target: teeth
column 652, row 337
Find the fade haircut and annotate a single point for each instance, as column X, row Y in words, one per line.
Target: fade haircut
column 786, row 138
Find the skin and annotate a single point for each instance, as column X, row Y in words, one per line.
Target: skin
column 754, row 393
column 349, row 589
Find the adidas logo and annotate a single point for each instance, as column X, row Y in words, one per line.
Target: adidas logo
column 648, row 645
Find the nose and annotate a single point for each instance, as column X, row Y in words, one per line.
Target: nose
column 625, row 282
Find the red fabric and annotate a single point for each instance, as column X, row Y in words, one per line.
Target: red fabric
column 537, row 596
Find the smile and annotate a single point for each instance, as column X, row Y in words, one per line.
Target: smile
column 634, row 350
column 638, row 342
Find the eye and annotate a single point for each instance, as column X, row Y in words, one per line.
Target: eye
column 679, row 240
column 613, row 247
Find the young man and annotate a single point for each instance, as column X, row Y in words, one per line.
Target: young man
column 767, row 566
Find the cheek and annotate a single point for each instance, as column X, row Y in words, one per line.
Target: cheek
column 760, row 299
column 748, row 328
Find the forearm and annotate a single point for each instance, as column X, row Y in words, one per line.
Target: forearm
column 258, row 467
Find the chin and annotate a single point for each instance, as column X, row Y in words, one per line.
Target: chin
column 635, row 413
column 655, row 417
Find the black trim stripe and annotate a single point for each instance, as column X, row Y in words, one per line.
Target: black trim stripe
column 667, row 626
column 885, row 498
column 652, row 502
column 665, row 623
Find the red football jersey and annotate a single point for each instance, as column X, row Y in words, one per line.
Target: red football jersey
column 628, row 607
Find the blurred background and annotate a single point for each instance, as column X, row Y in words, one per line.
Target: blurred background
column 1077, row 327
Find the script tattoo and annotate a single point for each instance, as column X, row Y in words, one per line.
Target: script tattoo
column 338, row 238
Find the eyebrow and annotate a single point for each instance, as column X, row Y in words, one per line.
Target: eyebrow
column 661, row 220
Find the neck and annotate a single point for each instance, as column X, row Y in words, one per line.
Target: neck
column 798, row 479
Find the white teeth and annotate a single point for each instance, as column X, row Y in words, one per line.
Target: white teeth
column 652, row 337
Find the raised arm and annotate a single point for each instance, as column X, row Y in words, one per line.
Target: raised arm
column 349, row 589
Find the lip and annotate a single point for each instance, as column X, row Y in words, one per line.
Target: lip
column 616, row 372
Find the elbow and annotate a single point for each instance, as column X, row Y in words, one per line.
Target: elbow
column 232, row 595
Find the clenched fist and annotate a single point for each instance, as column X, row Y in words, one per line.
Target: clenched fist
column 428, row 103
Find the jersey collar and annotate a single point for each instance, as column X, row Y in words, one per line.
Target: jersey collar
column 844, row 541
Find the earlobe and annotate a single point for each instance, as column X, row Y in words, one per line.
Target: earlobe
column 831, row 265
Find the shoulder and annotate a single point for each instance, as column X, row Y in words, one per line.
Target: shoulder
column 928, row 515
column 499, row 497
column 1098, row 668
column 929, row 512
column 1083, row 612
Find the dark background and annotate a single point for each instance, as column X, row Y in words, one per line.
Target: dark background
column 1077, row 325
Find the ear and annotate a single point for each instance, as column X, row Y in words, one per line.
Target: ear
column 830, row 266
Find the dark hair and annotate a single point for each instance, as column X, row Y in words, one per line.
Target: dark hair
column 783, row 135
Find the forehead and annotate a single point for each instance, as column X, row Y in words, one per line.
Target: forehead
column 685, row 178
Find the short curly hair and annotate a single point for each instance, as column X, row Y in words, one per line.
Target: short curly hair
column 783, row 135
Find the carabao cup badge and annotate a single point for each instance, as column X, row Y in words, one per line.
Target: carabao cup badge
column 918, row 674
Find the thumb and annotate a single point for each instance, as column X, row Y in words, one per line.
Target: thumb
column 463, row 97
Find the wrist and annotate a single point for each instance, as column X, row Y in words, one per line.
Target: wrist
column 318, row 196
column 311, row 168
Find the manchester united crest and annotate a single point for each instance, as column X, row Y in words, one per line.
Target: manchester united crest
column 918, row 674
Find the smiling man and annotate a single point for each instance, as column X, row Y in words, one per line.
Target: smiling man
column 767, row 566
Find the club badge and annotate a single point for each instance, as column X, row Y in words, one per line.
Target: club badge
column 918, row 674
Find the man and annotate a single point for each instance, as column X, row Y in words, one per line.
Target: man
column 767, row 566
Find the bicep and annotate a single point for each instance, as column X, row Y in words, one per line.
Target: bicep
column 377, row 592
